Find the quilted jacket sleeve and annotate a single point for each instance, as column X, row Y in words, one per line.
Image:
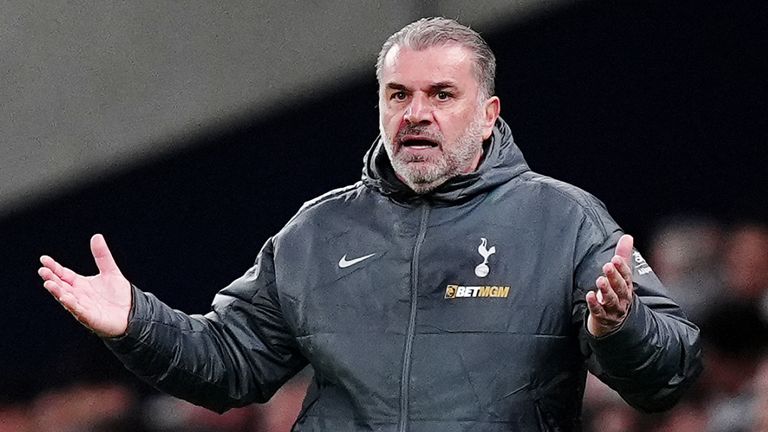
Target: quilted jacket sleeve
column 655, row 355
column 240, row 352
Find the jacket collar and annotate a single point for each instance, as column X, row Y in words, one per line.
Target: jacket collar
column 502, row 161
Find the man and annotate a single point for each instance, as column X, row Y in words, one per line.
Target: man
column 451, row 289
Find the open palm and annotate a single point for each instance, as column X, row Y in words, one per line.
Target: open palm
column 609, row 304
column 101, row 302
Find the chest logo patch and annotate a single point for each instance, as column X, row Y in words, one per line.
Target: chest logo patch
column 482, row 269
column 461, row 291
column 344, row 262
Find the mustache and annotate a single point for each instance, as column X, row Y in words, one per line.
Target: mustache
column 418, row 130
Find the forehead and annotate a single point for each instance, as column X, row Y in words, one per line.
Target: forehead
column 442, row 63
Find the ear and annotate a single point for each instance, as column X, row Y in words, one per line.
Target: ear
column 491, row 110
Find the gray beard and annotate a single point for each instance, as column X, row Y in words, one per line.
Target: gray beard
column 424, row 178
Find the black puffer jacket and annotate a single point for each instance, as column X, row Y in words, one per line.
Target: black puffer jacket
column 459, row 310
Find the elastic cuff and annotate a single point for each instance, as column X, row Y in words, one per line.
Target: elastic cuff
column 627, row 335
column 138, row 307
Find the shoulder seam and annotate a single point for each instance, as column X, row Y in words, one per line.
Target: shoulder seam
column 323, row 198
column 577, row 195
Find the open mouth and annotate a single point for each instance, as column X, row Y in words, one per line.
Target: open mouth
column 418, row 143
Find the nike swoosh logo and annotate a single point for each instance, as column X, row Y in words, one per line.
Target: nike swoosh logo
column 344, row 263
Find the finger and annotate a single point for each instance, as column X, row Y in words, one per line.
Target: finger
column 59, row 270
column 605, row 294
column 61, row 292
column 47, row 275
column 102, row 255
column 593, row 304
column 71, row 304
column 53, row 288
column 56, row 289
column 597, row 313
column 599, row 320
column 613, row 282
column 624, row 247
column 624, row 270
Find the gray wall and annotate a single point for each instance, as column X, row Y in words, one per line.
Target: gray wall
column 90, row 88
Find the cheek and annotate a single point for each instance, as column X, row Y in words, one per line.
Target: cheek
column 450, row 125
column 391, row 120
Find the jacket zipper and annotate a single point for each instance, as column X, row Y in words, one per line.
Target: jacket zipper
column 406, row 375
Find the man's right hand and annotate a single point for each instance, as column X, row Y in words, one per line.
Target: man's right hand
column 101, row 302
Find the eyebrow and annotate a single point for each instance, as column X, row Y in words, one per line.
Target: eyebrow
column 436, row 86
column 396, row 86
column 443, row 84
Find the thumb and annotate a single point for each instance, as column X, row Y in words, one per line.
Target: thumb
column 624, row 247
column 102, row 255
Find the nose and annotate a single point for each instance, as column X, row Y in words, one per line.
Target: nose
column 419, row 110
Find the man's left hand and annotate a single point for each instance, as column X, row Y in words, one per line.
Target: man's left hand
column 609, row 304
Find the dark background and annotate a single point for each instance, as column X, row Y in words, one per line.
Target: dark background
column 658, row 108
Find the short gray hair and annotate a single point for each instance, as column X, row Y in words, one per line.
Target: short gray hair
column 429, row 32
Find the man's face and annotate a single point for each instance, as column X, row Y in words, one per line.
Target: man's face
column 432, row 116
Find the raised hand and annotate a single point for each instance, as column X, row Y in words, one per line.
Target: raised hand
column 101, row 302
column 609, row 305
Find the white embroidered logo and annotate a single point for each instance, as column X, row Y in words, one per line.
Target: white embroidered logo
column 344, row 263
column 482, row 269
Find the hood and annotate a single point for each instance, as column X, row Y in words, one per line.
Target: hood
column 502, row 160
